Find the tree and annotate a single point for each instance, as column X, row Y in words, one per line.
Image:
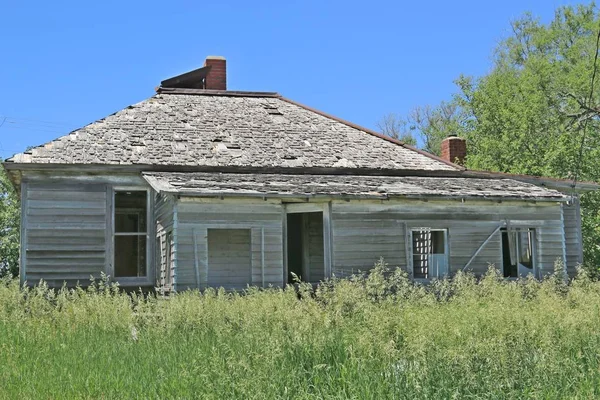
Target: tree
column 9, row 227
column 430, row 124
column 536, row 112
column 397, row 128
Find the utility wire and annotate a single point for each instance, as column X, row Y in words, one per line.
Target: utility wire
column 585, row 122
column 36, row 121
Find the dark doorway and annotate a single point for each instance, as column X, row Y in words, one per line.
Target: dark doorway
column 305, row 254
column 295, row 224
column 509, row 269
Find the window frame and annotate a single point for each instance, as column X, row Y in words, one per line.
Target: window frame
column 445, row 231
column 534, row 250
column 127, row 281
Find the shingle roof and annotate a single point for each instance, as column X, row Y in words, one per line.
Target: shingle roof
column 203, row 128
column 376, row 187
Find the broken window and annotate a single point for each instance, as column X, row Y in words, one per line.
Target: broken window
column 518, row 252
column 130, row 233
column 429, row 253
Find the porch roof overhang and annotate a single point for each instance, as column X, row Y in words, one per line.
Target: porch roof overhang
column 215, row 184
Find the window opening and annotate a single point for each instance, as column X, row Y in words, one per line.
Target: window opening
column 429, row 253
column 130, row 233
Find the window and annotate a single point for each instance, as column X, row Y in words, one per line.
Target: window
column 130, row 233
column 429, row 253
column 518, row 259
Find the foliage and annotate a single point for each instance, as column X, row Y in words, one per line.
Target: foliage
column 531, row 113
column 370, row 337
column 9, row 227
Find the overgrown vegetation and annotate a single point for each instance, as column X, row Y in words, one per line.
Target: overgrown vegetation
column 367, row 338
column 10, row 214
column 536, row 112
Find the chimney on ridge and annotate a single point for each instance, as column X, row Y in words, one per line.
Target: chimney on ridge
column 454, row 149
column 216, row 78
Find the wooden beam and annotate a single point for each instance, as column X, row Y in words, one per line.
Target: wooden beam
column 23, row 247
column 327, row 240
column 196, row 260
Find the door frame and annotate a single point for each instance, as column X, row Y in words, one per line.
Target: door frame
column 295, row 208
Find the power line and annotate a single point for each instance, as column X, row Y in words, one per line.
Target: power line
column 37, row 121
column 10, row 122
column 40, row 129
column 589, row 103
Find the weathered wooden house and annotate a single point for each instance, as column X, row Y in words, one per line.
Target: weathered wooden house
column 199, row 186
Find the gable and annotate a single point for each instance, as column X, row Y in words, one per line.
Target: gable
column 228, row 129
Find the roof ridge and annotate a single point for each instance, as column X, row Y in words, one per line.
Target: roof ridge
column 372, row 132
column 209, row 92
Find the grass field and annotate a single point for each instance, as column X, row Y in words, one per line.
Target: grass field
column 366, row 338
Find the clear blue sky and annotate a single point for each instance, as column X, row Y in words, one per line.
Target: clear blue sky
column 65, row 64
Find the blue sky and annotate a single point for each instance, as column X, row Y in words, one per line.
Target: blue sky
column 66, row 64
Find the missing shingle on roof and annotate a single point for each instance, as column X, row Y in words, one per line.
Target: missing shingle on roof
column 272, row 110
column 223, row 146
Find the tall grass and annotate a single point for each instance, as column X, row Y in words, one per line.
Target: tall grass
column 376, row 336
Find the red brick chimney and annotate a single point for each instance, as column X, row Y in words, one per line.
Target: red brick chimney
column 216, row 79
column 454, row 149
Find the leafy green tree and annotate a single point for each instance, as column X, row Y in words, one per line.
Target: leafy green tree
column 536, row 112
column 9, row 227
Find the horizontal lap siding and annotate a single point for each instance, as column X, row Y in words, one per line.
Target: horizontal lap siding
column 264, row 220
column 65, row 232
column 573, row 242
column 163, row 213
column 229, row 258
column 361, row 237
column 365, row 231
column 315, row 247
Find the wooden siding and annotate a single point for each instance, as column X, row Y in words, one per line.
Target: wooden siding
column 363, row 231
column 229, row 258
column 194, row 218
column 573, row 239
column 313, row 225
column 164, row 206
column 65, row 232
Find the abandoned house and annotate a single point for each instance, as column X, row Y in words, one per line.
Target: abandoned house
column 199, row 186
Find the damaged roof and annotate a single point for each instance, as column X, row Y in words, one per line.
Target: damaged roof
column 370, row 187
column 203, row 128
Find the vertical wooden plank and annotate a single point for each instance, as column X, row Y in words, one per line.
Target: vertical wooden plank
column 577, row 205
column 204, row 254
column 305, row 249
column 284, row 243
column 175, row 239
column 538, row 248
column 196, row 260
column 164, row 262
column 23, row 247
column 327, row 240
column 262, row 257
column 564, row 238
column 150, row 235
column 110, row 215
column 407, row 246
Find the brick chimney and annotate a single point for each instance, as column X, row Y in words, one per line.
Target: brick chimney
column 454, row 149
column 216, row 79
